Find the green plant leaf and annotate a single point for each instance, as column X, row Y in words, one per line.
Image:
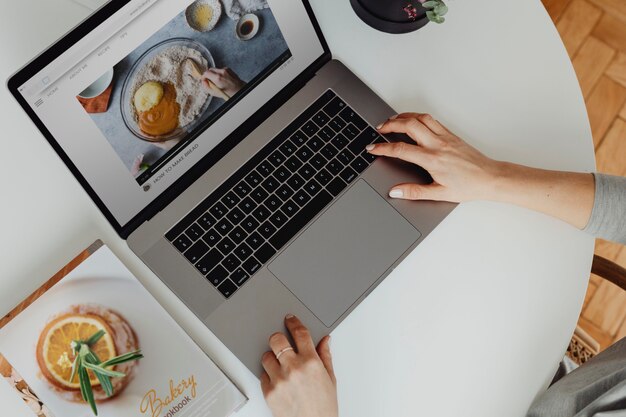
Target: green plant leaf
column 439, row 19
column 105, row 382
column 86, row 391
column 75, row 366
column 441, row 9
column 126, row 357
column 430, row 4
column 97, row 369
column 95, row 337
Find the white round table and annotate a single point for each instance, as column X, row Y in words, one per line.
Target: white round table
column 475, row 320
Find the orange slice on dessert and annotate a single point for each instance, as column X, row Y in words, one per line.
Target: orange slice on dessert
column 54, row 348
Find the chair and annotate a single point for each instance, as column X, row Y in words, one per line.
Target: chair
column 583, row 347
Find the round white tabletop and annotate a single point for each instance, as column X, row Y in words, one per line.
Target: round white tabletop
column 475, row 320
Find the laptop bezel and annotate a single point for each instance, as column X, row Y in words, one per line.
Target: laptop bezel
column 30, row 69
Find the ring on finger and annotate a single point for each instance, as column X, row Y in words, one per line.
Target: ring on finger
column 280, row 352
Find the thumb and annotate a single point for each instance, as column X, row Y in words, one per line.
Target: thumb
column 433, row 192
column 323, row 350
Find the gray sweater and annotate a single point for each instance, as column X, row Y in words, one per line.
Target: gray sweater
column 598, row 388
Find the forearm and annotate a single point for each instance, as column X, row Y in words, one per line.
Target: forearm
column 568, row 196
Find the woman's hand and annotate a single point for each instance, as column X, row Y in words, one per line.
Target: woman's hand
column 299, row 380
column 462, row 173
column 225, row 79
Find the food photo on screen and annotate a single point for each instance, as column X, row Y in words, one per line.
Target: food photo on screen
column 182, row 79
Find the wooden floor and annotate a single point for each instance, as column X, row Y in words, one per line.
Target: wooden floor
column 594, row 34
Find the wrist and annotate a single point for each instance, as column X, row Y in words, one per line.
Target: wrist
column 503, row 179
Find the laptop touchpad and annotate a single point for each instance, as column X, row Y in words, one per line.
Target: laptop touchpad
column 344, row 252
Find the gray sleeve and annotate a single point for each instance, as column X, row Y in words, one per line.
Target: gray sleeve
column 608, row 217
column 598, row 388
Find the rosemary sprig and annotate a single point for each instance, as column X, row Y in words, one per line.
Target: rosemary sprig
column 85, row 359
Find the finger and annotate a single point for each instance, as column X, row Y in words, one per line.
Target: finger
column 220, row 71
column 429, row 121
column 211, row 75
column 300, row 335
column 271, row 365
column 266, row 384
column 410, row 153
column 323, row 350
column 415, row 129
column 278, row 343
column 434, row 192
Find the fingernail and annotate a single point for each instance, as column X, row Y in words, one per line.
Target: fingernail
column 289, row 316
column 397, row 193
column 379, row 126
column 393, row 117
column 370, row 147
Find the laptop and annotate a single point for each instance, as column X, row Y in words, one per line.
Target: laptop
column 250, row 196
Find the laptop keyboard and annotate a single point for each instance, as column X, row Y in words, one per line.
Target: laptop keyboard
column 231, row 234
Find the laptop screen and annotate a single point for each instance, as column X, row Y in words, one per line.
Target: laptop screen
column 160, row 83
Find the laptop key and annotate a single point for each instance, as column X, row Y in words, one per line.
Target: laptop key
column 293, row 164
column 211, row 237
column 337, row 123
column 299, row 138
column 335, row 106
column 284, row 192
column 247, row 205
column 265, row 253
column 318, row 161
column 350, row 131
column 230, row 200
column 295, row 182
column 310, row 128
column 334, row 166
column 366, row 137
column 297, row 222
column 253, row 179
column 231, row 262
column 267, row 229
column 250, row 224
column 282, row 174
column 209, row 261
column 270, row 184
column 182, row 243
column 345, row 157
column 243, row 251
column 323, row 177
column 242, row 189
column 261, row 213
column 276, row 158
column 288, row 148
column 225, row 246
column 239, row 277
column 301, row 198
column 237, row 235
column 320, row 118
column 196, row 251
column 289, row 208
column 224, row 227
column 326, row 133
column 350, row 116
column 336, row 186
column 259, row 194
column 206, row 221
column 315, row 143
column 217, row 275
column 348, row 175
column 278, row 219
column 359, row 164
column 273, row 203
column 254, row 240
column 265, row 168
column 306, row 172
column 329, row 151
column 251, row 265
column 194, row 232
column 304, row 153
column 227, row 288
column 368, row 156
column 235, row 215
column 340, row 141
column 312, row 187
column 218, row 210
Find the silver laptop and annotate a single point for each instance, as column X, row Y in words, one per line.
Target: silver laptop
column 250, row 194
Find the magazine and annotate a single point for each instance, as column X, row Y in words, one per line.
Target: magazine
column 93, row 341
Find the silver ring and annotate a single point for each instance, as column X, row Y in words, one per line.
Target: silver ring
column 287, row 349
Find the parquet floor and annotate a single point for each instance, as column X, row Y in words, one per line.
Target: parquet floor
column 594, row 34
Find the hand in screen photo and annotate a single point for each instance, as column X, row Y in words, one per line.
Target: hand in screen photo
column 222, row 82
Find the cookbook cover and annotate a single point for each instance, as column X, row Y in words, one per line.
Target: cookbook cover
column 93, row 341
